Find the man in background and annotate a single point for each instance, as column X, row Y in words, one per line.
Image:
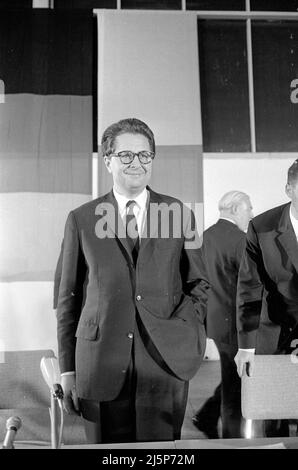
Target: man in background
column 222, row 249
column 270, row 265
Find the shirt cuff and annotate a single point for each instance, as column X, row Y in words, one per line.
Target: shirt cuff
column 246, row 350
column 68, row 373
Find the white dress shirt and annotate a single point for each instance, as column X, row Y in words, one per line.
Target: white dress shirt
column 139, row 209
column 294, row 222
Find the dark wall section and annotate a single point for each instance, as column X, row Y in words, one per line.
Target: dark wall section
column 215, row 5
column 85, row 4
column 275, row 63
column 42, row 51
column 224, row 86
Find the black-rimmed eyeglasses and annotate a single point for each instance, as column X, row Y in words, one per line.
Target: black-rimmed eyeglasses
column 126, row 156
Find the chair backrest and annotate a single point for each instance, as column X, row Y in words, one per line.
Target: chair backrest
column 24, row 393
column 21, row 381
column 272, row 391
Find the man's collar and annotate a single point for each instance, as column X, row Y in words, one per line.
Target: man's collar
column 293, row 218
column 141, row 199
column 230, row 220
column 284, row 221
column 292, row 210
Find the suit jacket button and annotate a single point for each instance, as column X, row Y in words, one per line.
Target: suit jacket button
column 130, row 335
column 139, row 297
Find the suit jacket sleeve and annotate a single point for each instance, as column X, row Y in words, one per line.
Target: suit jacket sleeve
column 249, row 291
column 70, row 295
column 239, row 250
column 193, row 269
column 57, row 278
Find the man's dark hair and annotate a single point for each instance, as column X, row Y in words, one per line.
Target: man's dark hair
column 125, row 126
column 293, row 173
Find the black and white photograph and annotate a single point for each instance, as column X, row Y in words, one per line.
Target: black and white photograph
column 148, row 227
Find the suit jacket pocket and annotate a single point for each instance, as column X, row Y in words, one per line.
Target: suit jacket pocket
column 185, row 309
column 87, row 331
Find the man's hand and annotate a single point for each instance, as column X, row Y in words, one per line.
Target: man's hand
column 70, row 399
column 244, row 359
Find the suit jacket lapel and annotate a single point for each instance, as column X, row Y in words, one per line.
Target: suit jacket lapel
column 116, row 225
column 287, row 236
column 115, row 222
column 150, row 229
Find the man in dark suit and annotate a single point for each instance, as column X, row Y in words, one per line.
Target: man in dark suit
column 270, row 265
column 130, row 304
column 222, row 249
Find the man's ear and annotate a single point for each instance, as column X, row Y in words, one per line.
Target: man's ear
column 107, row 161
column 288, row 190
column 234, row 209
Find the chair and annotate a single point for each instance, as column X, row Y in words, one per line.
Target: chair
column 272, row 391
column 24, row 393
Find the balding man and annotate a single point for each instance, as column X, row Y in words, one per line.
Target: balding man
column 222, row 249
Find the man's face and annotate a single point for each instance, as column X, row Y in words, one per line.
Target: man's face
column 129, row 179
column 292, row 193
column 244, row 214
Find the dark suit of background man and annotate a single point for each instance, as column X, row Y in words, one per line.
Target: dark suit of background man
column 130, row 306
column 270, row 265
column 222, row 249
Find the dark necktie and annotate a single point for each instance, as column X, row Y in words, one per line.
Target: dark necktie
column 132, row 230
